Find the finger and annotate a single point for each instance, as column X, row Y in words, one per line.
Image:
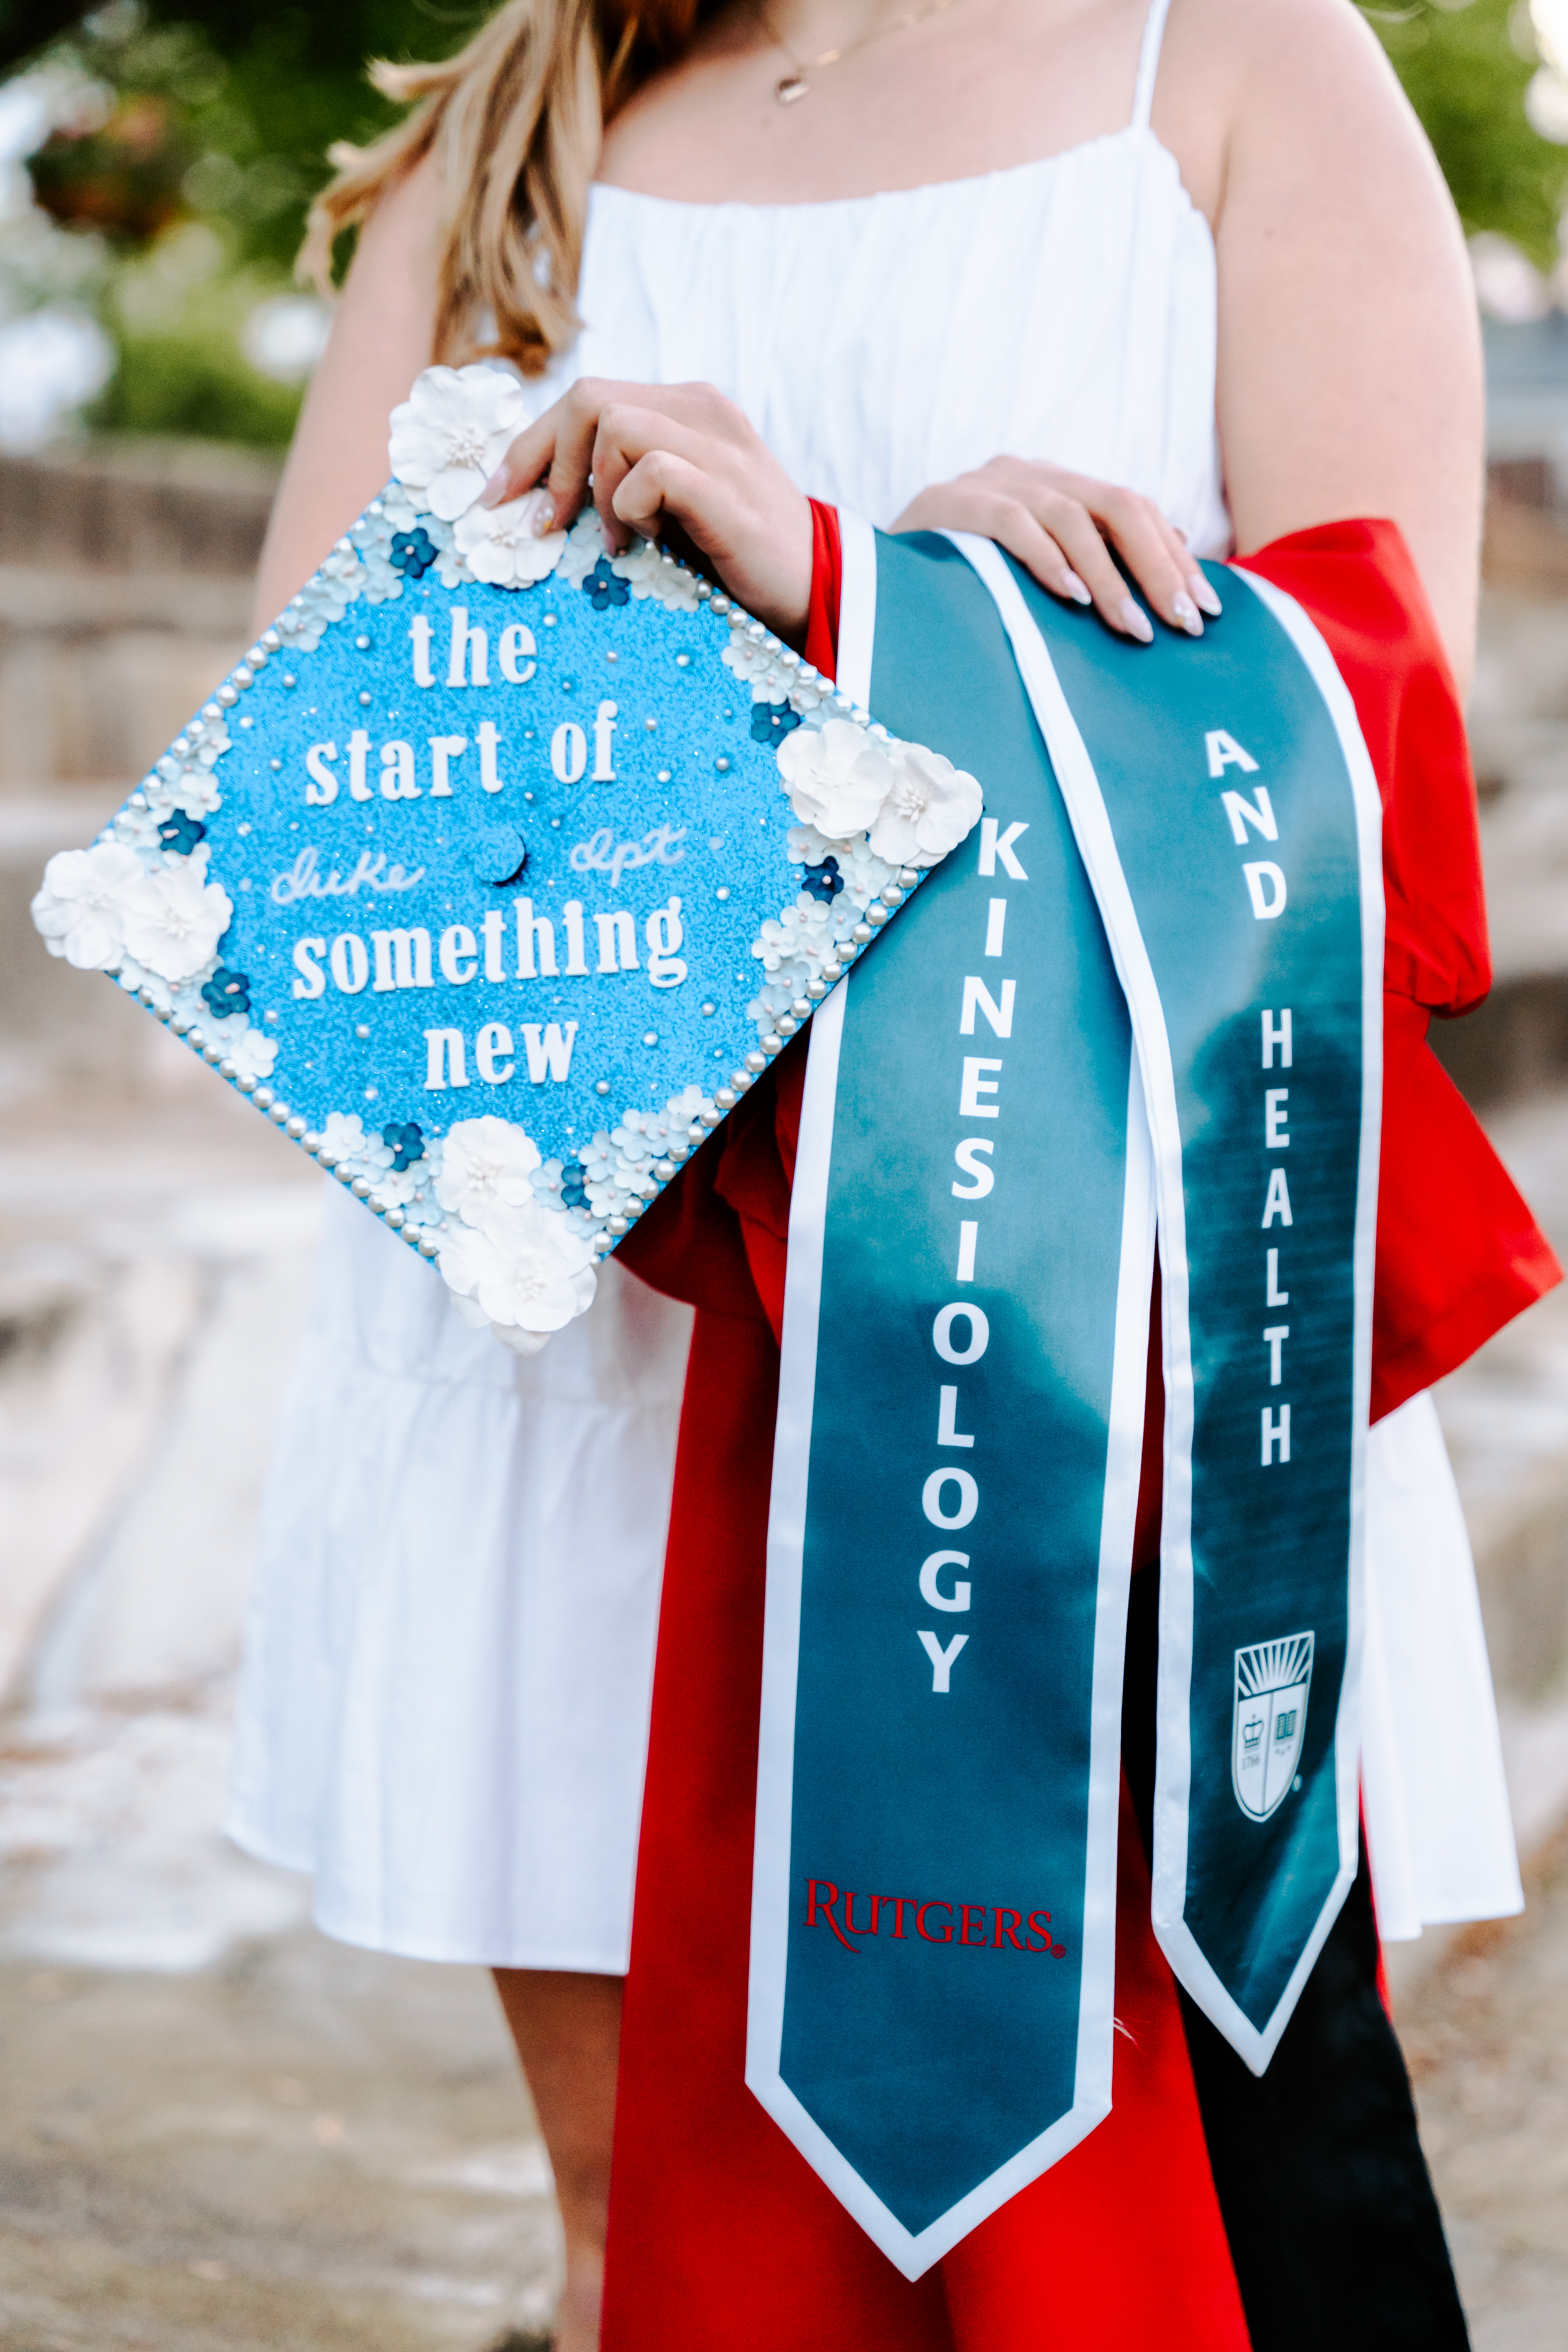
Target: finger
column 952, row 506
column 1154, row 556
column 1083, row 544
column 626, row 435
column 661, row 486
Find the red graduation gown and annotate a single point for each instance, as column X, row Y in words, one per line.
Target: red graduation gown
column 721, row 2235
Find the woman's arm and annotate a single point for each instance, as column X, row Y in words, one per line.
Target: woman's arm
column 381, row 336
column 1349, row 374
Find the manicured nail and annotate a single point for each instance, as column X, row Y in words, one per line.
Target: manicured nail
column 543, row 517
column 1073, row 586
column 1187, row 611
column 1204, row 597
column 1135, row 621
column 494, row 489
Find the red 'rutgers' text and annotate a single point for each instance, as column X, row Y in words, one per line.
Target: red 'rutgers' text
column 980, row 1925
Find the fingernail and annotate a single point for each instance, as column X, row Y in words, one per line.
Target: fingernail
column 1135, row 621
column 1073, row 586
column 544, row 518
column 1204, row 596
column 490, row 496
column 1187, row 611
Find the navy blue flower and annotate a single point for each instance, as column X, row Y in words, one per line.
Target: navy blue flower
column 406, row 1144
column 771, row 721
column 227, row 991
column 823, row 881
column 413, row 552
column 575, row 1185
column 605, row 586
column 181, row 832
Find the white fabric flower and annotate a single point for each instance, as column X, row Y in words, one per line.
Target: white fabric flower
column 669, row 585
column 253, row 1053
column 585, row 545
column 933, row 805
column 524, row 1266
column 836, row 777
column 499, row 544
column 486, row 1163
column 195, row 790
column 80, row 910
column 452, row 432
column 174, row 916
column 343, row 1134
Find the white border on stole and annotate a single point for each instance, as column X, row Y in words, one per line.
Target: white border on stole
column 913, row 2253
column 1091, row 828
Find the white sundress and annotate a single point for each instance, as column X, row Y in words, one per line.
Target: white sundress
column 449, row 1652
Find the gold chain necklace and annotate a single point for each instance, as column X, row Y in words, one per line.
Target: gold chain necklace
column 796, row 82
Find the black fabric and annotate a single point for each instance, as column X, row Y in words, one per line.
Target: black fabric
column 1333, row 2227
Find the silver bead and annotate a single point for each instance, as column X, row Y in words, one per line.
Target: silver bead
column 229, row 1067
column 875, row 916
column 279, row 1112
column 664, row 1170
column 327, row 1156
column 756, row 1062
column 428, row 1246
column 787, row 1026
column 744, row 1082
column 213, row 1053
column 194, row 1038
column 311, row 1141
column 396, row 1220
column 772, row 1044
column 296, row 1127
column 263, row 1098
column 800, row 1008
column 817, row 989
column 831, row 971
column 360, row 1188
column 257, row 657
column 271, row 640
column 618, row 1224
column 725, row 1097
column 908, row 876
column 892, row 896
column 247, row 1086
column 243, row 676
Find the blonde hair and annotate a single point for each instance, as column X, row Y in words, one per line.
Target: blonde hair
column 513, row 123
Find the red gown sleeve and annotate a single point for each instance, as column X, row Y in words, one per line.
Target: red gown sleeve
column 1458, row 1253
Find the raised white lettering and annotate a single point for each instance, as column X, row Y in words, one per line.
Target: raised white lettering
column 313, row 979
column 322, row 788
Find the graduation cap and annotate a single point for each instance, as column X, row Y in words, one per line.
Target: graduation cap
column 503, row 867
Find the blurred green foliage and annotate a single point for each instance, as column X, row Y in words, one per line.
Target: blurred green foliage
column 1466, row 69
column 218, row 114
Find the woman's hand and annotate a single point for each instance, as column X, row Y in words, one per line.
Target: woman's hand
column 1059, row 524
column 668, row 455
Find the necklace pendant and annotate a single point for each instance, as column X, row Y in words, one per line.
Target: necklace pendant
column 792, row 87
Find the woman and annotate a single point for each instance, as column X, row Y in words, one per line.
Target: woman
column 1048, row 270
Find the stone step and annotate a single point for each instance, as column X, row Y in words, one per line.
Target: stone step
column 137, row 507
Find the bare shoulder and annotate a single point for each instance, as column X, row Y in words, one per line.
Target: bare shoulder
column 1257, row 91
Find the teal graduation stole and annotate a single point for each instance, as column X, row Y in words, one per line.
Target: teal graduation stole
column 1144, row 996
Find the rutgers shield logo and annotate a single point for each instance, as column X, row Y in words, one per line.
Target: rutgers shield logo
column 1271, row 1719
